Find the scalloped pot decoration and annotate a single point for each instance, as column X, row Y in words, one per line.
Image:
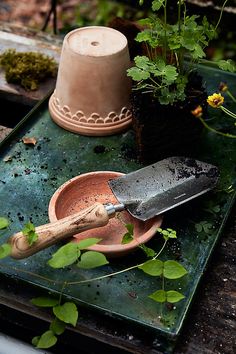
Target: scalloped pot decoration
column 92, row 91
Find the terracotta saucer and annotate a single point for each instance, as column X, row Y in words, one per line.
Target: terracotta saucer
column 82, row 191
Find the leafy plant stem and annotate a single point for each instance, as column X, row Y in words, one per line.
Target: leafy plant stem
column 64, row 284
column 165, row 31
column 231, row 96
column 229, row 113
column 227, row 135
column 221, row 13
column 179, row 16
column 163, row 288
column 162, row 248
column 61, row 292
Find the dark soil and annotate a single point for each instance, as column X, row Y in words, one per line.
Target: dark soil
column 164, row 131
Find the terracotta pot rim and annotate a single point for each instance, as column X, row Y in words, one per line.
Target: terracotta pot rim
column 92, row 129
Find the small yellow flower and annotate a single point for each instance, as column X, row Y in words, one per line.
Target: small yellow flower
column 223, row 87
column 197, row 112
column 216, row 100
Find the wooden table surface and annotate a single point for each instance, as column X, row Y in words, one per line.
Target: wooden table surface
column 211, row 323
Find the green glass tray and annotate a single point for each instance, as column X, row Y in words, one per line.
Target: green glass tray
column 29, row 178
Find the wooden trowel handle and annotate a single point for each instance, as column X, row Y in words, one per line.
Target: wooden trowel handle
column 49, row 234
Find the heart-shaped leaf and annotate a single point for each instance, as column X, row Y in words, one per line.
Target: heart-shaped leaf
column 158, row 296
column 153, row 267
column 92, row 259
column 173, row 270
column 65, row 256
column 44, row 301
column 67, row 313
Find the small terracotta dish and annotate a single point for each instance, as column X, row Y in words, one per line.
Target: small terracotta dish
column 82, row 191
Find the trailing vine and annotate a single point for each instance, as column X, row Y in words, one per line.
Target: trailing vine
column 66, row 313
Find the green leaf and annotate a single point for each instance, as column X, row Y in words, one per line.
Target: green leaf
column 92, row 259
column 65, row 256
column 138, row 74
column 67, row 313
column 198, row 52
column 130, row 228
column 168, row 233
column 127, row 238
column 30, row 234
column 173, row 296
column 44, row 301
column 5, row 250
column 88, row 242
column 142, row 62
column 227, row 65
column 173, row 270
column 157, row 4
column 158, row 296
column 153, row 267
column 57, row 326
column 145, row 22
column 147, row 250
column 4, row 222
column 35, row 340
column 172, row 233
column 143, row 36
column 204, row 226
column 47, row 340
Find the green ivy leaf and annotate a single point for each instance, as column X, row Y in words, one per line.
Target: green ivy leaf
column 65, row 256
column 147, row 250
column 44, row 301
column 4, row 222
column 130, row 228
column 168, row 233
column 46, row 340
column 158, row 296
column 67, row 313
column 172, row 233
column 173, row 270
column 153, row 267
column 57, row 326
column 127, row 238
column 35, row 340
column 30, row 234
column 88, row 242
column 92, row 259
column 5, row 250
column 173, row 296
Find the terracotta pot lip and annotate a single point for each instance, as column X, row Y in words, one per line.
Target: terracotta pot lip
column 89, row 129
column 95, row 57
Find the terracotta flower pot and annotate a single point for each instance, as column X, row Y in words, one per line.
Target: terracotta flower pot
column 84, row 190
column 92, row 89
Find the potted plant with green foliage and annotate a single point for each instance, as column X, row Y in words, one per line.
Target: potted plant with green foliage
column 167, row 87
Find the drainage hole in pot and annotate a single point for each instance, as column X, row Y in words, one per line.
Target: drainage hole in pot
column 95, row 44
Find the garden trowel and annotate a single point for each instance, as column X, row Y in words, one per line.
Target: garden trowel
column 144, row 193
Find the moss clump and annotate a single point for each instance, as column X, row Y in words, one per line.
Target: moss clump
column 27, row 69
